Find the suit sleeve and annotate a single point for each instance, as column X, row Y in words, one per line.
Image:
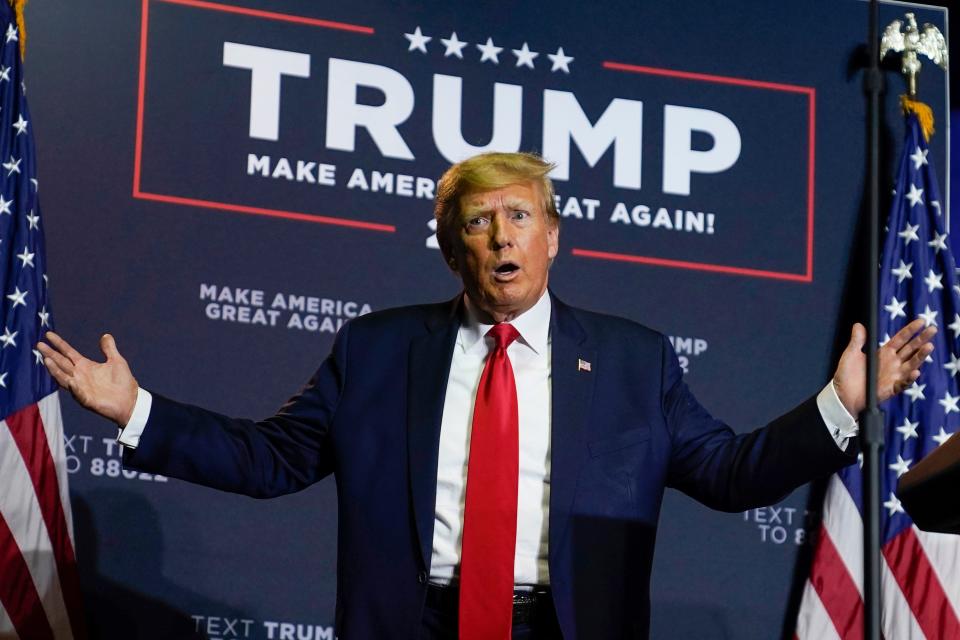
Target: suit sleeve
column 279, row 455
column 735, row 472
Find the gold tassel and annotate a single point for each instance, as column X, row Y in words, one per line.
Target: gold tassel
column 923, row 112
column 21, row 25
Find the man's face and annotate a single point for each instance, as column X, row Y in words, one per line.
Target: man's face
column 502, row 246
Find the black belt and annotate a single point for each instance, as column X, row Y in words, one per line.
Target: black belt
column 526, row 604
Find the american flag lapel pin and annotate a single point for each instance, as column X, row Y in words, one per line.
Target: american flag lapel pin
column 582, row 365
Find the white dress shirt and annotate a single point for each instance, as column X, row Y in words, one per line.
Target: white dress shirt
column 530, row 358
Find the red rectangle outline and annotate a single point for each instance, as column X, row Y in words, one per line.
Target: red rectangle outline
column 139, row 194
column 811, row 94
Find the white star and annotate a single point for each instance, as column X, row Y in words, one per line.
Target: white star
column 903, row 271
column 901, row 466
column 938, row 242
column 941, row 437
column 933, row 281
column 38, row 356
column 525, row 56
column 893, row 505
column 955, row 326
column 4, row 73
column 5, row 205
column 885, row 339
column 18, row 297
column 11, row 32
column 929, row 316
column 949, row 402
column 20, row 125
column 13, row 166
column 26, row 257
column 919, row 158
column 895, row 307
column 8, row 338
column 3, row 380
column 915, row 195
column 44, row 316
column 560, row 61
column 36, row 185
column 860, row 460
column 489, row 51
column 953, row 366
column 33, row 220
column 454, row 46
column 915, row 391
column 909, row 233
column 936, row 205
column 418, row 41
column 908, row 429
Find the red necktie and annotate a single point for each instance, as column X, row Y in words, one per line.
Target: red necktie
column 490, row 516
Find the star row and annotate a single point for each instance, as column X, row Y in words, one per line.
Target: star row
column 909, row 234
column 948, row 402
column 489, row 52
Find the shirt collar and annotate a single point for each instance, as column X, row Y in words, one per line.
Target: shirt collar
column 533, row 326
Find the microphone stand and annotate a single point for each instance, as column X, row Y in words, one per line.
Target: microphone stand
column 871, row 420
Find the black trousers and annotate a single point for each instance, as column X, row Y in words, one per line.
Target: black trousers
column 441, row 624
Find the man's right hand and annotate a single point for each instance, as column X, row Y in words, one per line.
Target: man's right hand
column 107, row 388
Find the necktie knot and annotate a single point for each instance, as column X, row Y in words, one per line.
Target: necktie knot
column 503, row 334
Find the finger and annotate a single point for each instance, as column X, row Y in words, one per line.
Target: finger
column 58, row 374
column 109, row 347
column 63, row 346
column 917, row 342
column 916, row 360
column 903, row 336
column 858, row 336
column 60, row 360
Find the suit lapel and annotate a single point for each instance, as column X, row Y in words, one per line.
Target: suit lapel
column 572, row 390
column 428, row 368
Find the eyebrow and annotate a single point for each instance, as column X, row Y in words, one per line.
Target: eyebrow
column 513, row 203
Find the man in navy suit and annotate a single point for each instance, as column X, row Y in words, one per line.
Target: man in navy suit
column 604, row 424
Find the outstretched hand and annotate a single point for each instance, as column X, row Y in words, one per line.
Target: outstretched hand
column 898, row 367
column 108, row 388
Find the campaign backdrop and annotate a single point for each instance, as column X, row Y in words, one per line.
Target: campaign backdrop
column 225, row 185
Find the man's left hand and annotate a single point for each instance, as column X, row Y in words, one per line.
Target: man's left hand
column 899, row 364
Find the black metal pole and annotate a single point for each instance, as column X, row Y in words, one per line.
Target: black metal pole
column 871, row 420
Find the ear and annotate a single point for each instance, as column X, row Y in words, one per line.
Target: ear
column 553, row 240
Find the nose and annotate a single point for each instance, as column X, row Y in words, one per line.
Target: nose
column 501, row 233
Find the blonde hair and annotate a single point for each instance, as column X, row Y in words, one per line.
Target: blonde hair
column 485, row 172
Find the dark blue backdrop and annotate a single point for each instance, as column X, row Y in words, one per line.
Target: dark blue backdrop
column 158, row 211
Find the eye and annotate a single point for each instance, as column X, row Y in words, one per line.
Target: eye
column 476, row 222
column 520, row 214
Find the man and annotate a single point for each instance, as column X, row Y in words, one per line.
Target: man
column 500, row 458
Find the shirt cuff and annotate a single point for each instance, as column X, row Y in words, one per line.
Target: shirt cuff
column 841, row 425
column 129, row 435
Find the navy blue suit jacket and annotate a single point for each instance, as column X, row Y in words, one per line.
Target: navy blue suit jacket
column 621, row 433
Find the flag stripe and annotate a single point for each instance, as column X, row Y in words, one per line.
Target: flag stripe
column 841, row 518
column 944, row 554
column 17, row 592
column 836, row 589
column 20, row 509
column 816, row 624
column 921, row 587
column 29, row 434
column 896, row 618
column 52, row 420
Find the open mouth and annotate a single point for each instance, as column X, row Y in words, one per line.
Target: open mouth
column 506, row 271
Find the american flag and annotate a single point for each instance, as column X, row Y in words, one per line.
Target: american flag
column 920, row 583
column 39, row 586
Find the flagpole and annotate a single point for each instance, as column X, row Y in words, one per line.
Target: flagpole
column 871, row 420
